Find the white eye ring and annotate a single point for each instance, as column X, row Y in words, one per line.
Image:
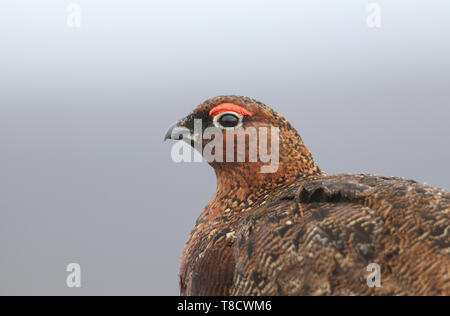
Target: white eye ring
column 218, row 116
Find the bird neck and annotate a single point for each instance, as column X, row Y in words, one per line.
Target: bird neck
column 240, row 184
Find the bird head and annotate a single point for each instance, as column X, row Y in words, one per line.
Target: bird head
column 241, row 137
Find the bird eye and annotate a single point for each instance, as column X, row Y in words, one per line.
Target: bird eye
column 228, row 120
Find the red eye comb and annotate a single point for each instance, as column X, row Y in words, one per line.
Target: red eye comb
column 225, row 107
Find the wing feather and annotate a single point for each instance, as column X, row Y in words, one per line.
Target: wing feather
column 318, row 236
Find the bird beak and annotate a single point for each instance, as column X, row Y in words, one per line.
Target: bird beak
column 175, row 132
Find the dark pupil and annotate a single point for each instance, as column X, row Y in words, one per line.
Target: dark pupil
column 229, row 120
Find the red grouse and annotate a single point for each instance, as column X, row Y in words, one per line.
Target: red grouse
column 300, row 231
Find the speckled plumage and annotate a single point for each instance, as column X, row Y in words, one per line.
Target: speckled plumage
column 299, row 231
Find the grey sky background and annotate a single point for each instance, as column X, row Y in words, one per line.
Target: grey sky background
column 84, row 174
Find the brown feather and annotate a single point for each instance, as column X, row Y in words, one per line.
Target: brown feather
column 299, row 231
